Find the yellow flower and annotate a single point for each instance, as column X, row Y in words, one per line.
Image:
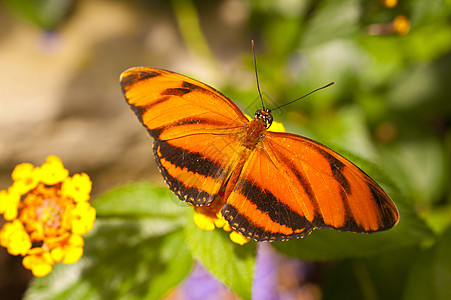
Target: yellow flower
column 9, row 201
column 203, row 221
column 78, row 187
column 14, row 237
column 25, row 177
column 208, row 218
column 39, row 261
column 46, row 222
column 69, row 250
column 83, row 218
column 401, row 25
column 238, row 238
column 276, row 127
column 53, row 171
column 389, row 3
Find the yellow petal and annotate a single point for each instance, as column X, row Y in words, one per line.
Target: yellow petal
column 227, row 227
column 57, row 254
column 22, row 171
column 69, row 250
column 84, row 216
column 14, row 237
column 276, row 127
column 73, row 254
column 220, row 223
column 26, row 178
column 203, row 222
column 3, row 200
column 53, row 171
column 77, row 187
column 9, row 203
column 41, row 270
column 401, row 25
column 390, row 3
column 238, row 238
column 39, row 261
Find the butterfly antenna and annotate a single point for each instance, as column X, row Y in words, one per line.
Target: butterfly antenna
column 256, row 74
column 323, row 87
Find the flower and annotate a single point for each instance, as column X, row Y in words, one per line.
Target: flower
column 78, row 187
column 401, row 25
column 39, row 261
column 48, row 213
column 210, row 217
column 389, row 3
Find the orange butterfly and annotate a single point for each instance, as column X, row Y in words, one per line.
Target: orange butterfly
column 278, row 186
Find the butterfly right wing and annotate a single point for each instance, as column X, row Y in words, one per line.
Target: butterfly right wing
column 196, row 130
column 291, row 185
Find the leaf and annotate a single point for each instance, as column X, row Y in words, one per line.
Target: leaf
column 377, row 277
column 139, row 199
column 431, row 272
column 230, row 263
column 342, row 16
column 122, row 259
column 46, row 14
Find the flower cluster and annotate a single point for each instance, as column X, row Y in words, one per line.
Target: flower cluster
column 210, row 217
column 47, row 213
column 400, row 25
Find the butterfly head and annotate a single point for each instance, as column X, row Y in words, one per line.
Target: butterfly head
column 265, row 116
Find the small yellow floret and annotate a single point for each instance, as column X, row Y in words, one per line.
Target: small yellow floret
column 390, row 3
column 53, row 171
column 14, row 238
column 84, row 216
column 277, row 127
column 39, row 261
column 238, row 238
column 401, row 25
column 203, row 222
column 77, row 187
column 68, row 251
column 26, row 177
column 9, row 201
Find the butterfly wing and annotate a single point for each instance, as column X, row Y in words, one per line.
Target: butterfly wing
column 196, row 130
column 291, row 185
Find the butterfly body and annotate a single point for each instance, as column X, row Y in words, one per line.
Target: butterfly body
column 277, row 186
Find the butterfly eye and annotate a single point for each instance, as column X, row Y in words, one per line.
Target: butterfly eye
column 268, row 118
column 265, row 116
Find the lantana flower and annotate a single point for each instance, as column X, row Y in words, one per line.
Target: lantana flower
column 48, row 213
column 210, row 217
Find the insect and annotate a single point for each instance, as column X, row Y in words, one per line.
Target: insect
column 277, row 186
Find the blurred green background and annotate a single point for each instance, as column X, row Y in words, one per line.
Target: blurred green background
column 60, row 63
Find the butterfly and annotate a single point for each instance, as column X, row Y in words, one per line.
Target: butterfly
column 276, row 186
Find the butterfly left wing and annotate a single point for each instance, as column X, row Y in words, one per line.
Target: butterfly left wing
column 291, row 185
column 196, row 130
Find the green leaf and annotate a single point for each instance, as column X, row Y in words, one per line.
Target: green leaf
column 431, row 273
column 328, row 244
column 377, row 277
column 47, row 14
column 230, row 263
column 139, row 200
column 122, row 259
column 342, row 16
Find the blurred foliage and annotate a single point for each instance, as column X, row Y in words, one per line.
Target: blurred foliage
column 390, row 105
column 45, row 14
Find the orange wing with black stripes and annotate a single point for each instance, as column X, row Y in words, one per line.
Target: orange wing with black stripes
column 291, row 185
column 278, row 186
column 194, row 127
